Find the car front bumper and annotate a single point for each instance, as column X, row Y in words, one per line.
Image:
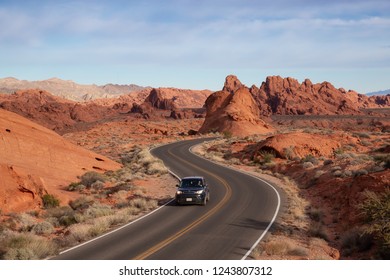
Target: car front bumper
column 190, row 198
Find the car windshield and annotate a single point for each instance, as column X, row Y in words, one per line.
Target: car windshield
column 191, row 183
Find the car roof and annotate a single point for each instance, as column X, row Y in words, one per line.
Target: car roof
column 192, row 177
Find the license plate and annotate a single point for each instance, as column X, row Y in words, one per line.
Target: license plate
column 188, row 199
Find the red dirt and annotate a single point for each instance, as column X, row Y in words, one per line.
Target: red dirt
column 35, row 161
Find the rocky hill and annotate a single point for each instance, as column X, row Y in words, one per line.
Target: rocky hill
column 35, row 161
column 108, row 94
column 68, row 89
column 286, row 96
column 153, row 103
column 54, row 112
column 233, row 110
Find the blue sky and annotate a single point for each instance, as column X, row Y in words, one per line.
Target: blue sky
column 196, row 44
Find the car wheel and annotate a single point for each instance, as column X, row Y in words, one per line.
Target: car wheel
column 204, row 202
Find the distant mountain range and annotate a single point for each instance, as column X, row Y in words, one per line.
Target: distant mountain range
column 68, row 89
column 382, row 92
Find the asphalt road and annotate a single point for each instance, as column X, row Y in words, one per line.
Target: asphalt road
column 240, row 211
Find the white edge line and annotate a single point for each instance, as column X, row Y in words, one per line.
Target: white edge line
column 130, row 223
column 260, row 179
column 107, row 233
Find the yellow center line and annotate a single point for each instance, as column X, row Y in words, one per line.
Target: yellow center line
column 180, row 233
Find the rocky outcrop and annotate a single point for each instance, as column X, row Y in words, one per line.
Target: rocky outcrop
column 233, row 110
column 153, row 103
column 157, row 101
column 54, row 112
column 286, row 96
column 35, row 161
column 298, row 144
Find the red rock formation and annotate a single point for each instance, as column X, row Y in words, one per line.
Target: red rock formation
column 152, row 103
column 298, row 144
column 53, row 112
column 157, row 101
column 35, row 160
column 286, row 96
column 233, row 110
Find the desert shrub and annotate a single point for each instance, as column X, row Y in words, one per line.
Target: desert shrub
column 317, row 230
column 348, row 173
column 338, row 151
column 42, row 228
column 310, row 158
column 143, row 204
column 316, row 214
column 117, row 218
column 81, row 203
column 267, row 156
column 50, row 201
column 25, row 221
column 98, row 210
column 289, row 152
column 99, row 227
column 98, row 185
column 361, row 135
column 227, row 134
column 298, row 251
column 383, row 160
column 58, row 212
column 156, row 167
column 376, row 211
column 307, row 165
column 26, row 246
column 328, row 162
column 355, row 240
column 338, row 173
column 318, row 174
column 64, row 216
column 335, row 168
column 76, row 186
column 277, row 247
column 360, row 172
column 121, row 199
column 91, row 177
column 79, row 232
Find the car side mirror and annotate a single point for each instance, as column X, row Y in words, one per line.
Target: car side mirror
column 177, row 186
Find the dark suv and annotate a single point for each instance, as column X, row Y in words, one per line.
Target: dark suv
column 192, row 190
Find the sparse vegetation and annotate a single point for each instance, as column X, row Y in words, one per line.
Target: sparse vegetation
column 50, row 201
column 376, row 211
column 227, row 134
column 267, row 156
column 354, row 240
column 91, row 177
column 25, row 246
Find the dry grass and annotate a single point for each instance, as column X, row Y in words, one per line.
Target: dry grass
column 25, row 246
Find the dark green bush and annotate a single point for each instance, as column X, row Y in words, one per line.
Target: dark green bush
column 50, row 201
column 376, row 211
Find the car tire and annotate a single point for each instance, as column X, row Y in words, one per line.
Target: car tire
column 204, row 202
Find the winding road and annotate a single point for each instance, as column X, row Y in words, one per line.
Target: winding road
column 241, row 210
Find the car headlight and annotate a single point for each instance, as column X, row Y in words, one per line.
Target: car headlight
column 199, row 192
column 179, row 192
